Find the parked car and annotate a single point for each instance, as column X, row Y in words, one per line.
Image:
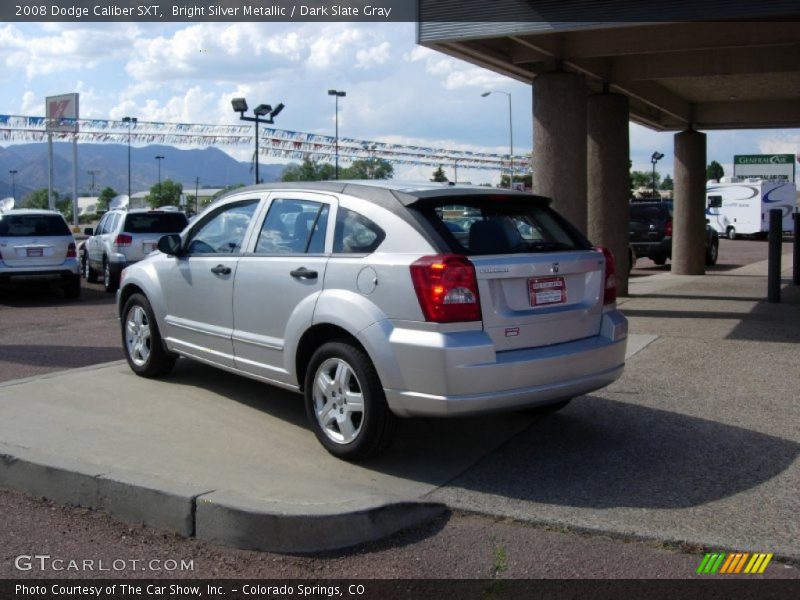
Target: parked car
column 650, row 233
column 124, row 237
column 37, row 248
column 374, row 308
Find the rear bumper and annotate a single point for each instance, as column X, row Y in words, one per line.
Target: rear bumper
column 63, row 273
column 651, row 249
column 447, row 376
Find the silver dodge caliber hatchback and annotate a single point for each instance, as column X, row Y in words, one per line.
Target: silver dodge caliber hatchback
column 379, row 301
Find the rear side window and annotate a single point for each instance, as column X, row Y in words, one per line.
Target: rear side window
column 355, row 233
column 32, row 225
column 494, row 226
column 155, row 222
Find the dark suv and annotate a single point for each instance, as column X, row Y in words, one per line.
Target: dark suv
column 650, row 233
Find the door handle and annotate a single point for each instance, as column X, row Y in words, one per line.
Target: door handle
column 221, row 270
column 303, row 273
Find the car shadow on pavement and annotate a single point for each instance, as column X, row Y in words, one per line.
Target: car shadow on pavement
column 39, row 298
column 595, row 453
column 67, row 357
column 601, row 453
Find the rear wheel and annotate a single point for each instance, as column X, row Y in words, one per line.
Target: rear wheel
column 345, row 403
column 712, row 253
column 110, row 281
column 141, row 340
column 88, row 272
column 660, row 260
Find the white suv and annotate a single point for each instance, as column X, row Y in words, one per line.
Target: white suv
column 124, row 237
column 37, row 247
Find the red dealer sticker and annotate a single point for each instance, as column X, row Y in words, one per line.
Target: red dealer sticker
column 547, row 290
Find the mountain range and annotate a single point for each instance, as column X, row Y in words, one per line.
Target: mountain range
column 109, row 162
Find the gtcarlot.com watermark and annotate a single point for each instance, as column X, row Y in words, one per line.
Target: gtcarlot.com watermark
column 46, row 562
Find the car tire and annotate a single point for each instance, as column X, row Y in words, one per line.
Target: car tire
column 110, row 281
column 731, row 233
column 72, row 289
column 547, row 409
column 141, row 340
column 88, row 272
column 660, row 260
column 712, row 253
column 339, row 381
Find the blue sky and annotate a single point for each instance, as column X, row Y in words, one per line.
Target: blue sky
column 396, row 91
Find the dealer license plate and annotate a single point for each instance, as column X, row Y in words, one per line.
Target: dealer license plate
column 547, row 290
column 35, row 252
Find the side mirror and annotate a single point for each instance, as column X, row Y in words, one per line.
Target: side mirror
column 88, row 231
column 170, row 244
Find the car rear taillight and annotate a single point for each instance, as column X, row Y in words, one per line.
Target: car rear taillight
column 447, row 288
column 668, row 229
column 71, row 251
column 123, row 239
column 610, row 281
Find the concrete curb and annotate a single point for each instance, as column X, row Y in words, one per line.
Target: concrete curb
column 193, row 511
column 233, row 520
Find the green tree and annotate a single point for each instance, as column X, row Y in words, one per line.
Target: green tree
column 643, row 179
column 715, row 171
column 667, row 184
column 371, row 168
column 439, row 176
column 308, row 170
column 166, row 194
column 104, row 198
column 64, row 206
column 38, row 199
column 206, row 201
column 526, row 180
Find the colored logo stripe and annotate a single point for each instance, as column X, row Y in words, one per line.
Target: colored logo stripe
column 733, row 563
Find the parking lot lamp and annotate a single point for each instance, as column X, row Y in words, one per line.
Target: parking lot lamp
column 159, row 158
column 336, row 94
column 240, row 105
column 657, row 156
column 13, row 173
column 131, row 121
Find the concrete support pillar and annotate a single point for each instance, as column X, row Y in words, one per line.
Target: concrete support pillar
column 607, row 177
column 559, row 143
column 689, row 218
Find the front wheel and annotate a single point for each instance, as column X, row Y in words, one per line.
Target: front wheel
column 141, row 340
column 731, row 233
column 345, row 403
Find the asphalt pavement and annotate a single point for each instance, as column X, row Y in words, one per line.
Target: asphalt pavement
column 697, row 443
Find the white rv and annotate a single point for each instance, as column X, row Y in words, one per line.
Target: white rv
column 741, row 206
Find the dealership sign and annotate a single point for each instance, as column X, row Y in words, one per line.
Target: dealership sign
column 62, row 113
column 764, row 166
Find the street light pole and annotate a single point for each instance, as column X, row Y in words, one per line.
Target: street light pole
column 130, row 121
column 13, row 173
column 93, row 173
column 510, row 136
column 240, row 105
column 159, row 158
column 657, row 156
column 337, row 94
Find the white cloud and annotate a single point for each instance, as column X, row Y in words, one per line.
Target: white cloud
column 780, row 143
column 377, row 55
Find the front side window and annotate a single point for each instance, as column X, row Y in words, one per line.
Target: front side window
column 294, row 227
column 355, row 234
column 223, row 231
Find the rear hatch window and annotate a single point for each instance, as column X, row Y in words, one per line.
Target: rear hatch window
column 32, row 226
column 495, row 225
column 539, row 280
column 155, row 222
